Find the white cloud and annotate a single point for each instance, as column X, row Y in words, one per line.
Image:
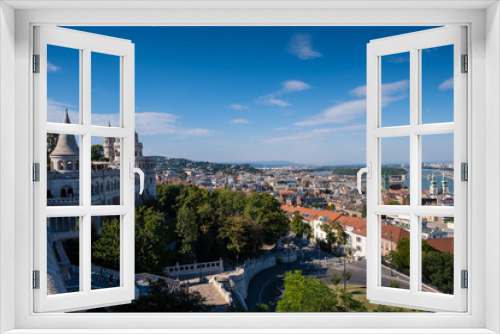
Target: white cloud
column 294, row 86
column 348, row 111
column 270, row 100
column 236, row 106
column 146, row 123
column 52, row 68
column 390, row 91
column 280, row 129
column 447, row 84
column 301, row 46
column 288, row 86
column 358, row 91
column 239, row 121
column 55, row 112
column 339, row 113
column 316, row 133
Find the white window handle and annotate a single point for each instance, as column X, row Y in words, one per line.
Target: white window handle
column 141, row 176
column 368, row 171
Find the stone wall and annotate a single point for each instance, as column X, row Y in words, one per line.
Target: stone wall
column 220, row 287
column 195, row 269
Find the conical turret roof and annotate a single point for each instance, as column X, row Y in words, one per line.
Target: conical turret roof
column 66, row 144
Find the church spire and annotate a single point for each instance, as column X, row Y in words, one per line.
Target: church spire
column 66, row 144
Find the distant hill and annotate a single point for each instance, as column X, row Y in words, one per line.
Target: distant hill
column 182, row 164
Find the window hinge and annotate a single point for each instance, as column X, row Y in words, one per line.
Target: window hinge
column 36, row 279
column 36, row 172
column 465, row 64
column 465, row 279
column 36, row 63
column 464, row 172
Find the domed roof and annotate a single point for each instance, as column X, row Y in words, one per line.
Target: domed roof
column 66, row 144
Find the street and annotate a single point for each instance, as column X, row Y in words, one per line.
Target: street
column 267, row 286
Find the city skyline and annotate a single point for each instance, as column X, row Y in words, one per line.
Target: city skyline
column 252, row 93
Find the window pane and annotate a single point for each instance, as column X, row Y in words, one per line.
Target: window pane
column 395, row 89
column 63, row 83
column 395, row 251
column 437, row 170
column 105, row 252
column 63, row 255
column 105, row 90
column 437, row 84
column 437, row 254
column 395, row 171
column 105, row 157
column 63, row 169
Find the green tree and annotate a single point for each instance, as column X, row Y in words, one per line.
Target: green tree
column 347, row 276
column 363, row 211
column 96, row 152
column 150, row 240
column 106, row 249
column 167, row 198
column 336, row 279
column 266, row 210
column 244, row 236
column 401, row 256
column 187, row 228
column 298, row 226
column 306, row 294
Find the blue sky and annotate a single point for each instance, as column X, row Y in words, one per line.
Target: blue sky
column 255, row 93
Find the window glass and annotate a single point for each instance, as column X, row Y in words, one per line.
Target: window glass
column 105, row 90
column 63, row 256
column 395, row 89
column 63, row 83
column 437, row 84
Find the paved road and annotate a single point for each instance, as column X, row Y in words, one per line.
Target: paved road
column 267, row 286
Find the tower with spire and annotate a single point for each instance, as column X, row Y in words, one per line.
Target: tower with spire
column 433, row 188
column 109, row 147
column 65, row 157
column 444, row 185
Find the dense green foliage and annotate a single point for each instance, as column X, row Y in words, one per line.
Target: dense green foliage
column 96, row 152
column 309, row 294
column 187, row 223
column 106, row 245
column 437, row 267
column 298, row 226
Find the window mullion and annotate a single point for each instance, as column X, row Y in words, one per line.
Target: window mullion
column 86, row 171
column 415, row 169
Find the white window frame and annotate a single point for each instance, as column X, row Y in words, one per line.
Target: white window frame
column 86, row 44
column 484, row 103
column 414, row 43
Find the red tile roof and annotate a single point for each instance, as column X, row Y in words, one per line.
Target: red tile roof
column 442, row 244
column 312, row 214
column 396, row 231
column 358, row 224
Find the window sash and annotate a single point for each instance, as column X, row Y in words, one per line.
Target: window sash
column 412, row 43
column 86, row 297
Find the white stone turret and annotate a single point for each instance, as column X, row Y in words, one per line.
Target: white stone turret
column 66, row 155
